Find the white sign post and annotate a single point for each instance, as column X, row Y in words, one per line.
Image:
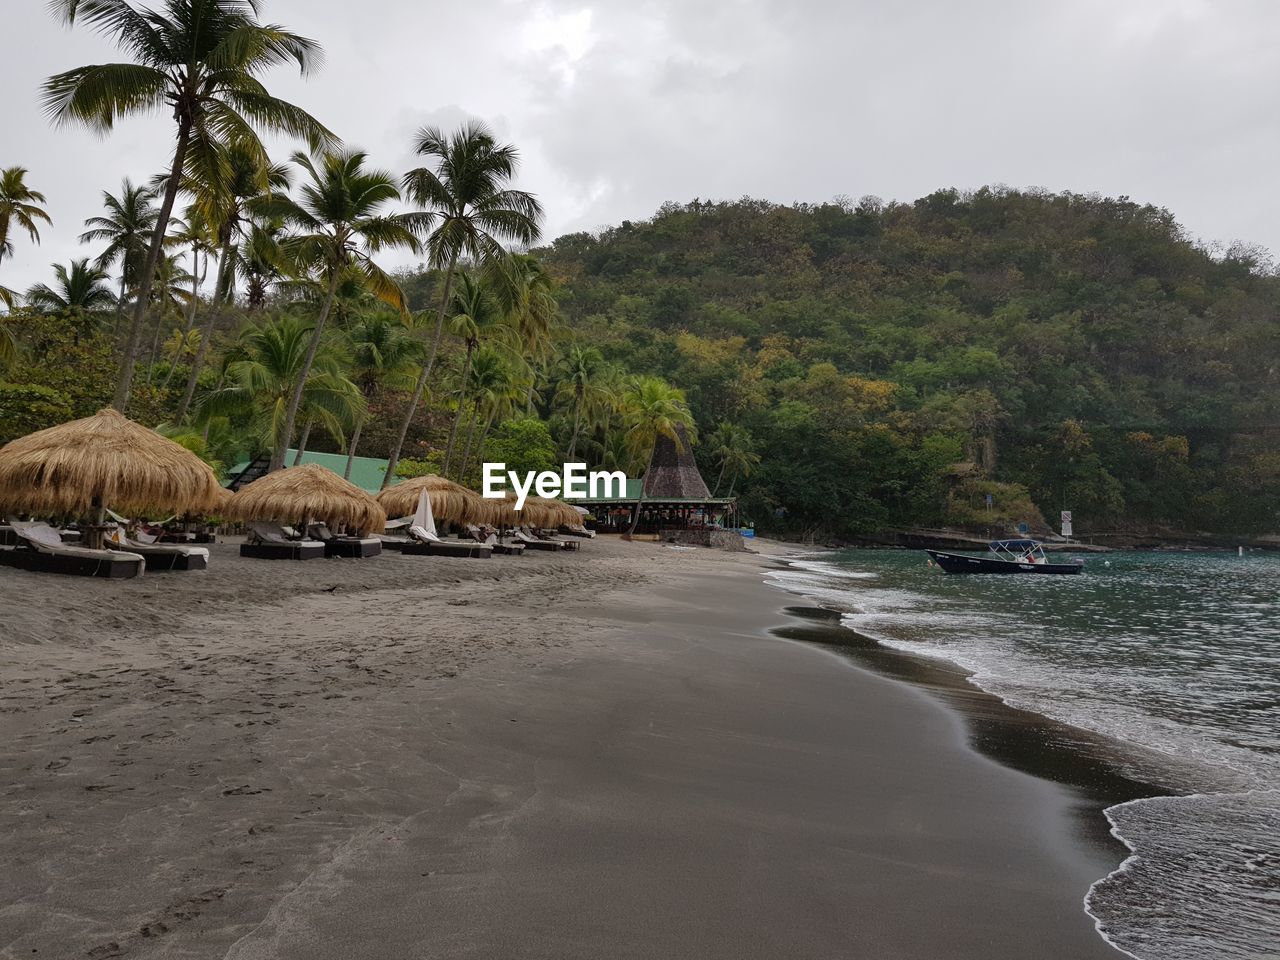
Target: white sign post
column 1066, row 523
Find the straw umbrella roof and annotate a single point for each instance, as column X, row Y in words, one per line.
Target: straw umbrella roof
column 536, row 512
column 106, row 460
column 307, row 493
column 559, row 513
column 449, row 500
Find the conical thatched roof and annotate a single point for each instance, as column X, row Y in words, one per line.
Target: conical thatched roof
column 105, row 460
column 672, row 471
column 305, row 494
column 449, row 501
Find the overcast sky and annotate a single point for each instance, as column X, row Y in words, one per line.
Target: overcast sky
column 618, row 106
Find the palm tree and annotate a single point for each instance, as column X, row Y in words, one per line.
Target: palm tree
column 222, row 203
column 582, row 386
column 495, row 392
column 475, row 315
column 77, row 293
column 21, row 205
column 734, row 449
column 170, row 297
column 126, row 228
column 194, row 232
column 473, row 212
column 261, row 261
column 199, row 61
column 383, row 355
column 260, row 383
column 653, row 408
column 339, row 212
column 534, row 313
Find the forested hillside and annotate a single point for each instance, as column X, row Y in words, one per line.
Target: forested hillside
column 892, row 364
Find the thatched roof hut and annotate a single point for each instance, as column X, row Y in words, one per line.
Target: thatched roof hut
column 307, row 494
column 449, row 501
column 672, row 470
column 107, row 460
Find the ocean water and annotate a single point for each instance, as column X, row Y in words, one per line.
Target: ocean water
column 1175, row 657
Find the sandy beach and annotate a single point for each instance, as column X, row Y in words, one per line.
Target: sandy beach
column 600, row 754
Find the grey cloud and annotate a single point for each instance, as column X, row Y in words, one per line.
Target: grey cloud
column 619, row 106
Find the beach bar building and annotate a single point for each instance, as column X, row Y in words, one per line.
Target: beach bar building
column 676, row 503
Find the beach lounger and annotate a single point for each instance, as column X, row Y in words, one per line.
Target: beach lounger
column 423, row 540
column 426, row 546
column 560, row 543
column 269, row 542
column 533, row 543
column 41, row 548
column 160, row 557
column 353, row 548
column 492, row 540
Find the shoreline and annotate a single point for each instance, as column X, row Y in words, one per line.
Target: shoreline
column 1164, row 817
column 605, row 767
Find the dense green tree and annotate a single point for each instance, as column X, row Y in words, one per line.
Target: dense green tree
column 734, row 451
column 583, row 386
column 273, row 357
column 894, row 360
column 385, row 356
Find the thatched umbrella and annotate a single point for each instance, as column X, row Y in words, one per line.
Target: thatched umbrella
column 307, row 494
column 449, row 501
column 82, row 467
column 561, row 513
column 537, row 512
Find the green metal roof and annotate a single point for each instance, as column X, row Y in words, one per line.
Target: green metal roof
column 366, row 472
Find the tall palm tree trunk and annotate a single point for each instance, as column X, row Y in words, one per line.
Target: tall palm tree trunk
column 302, row 442
column 155, row 347
column 129, row 361
column 719, row 479
column 124, row 292
column 206, row 332
column 484, row 435
column 351, row 450
column 635, row 520
column 424, row 375
column 191, row 318
column 291, row 414
column 462, row 404
column 577, row 424
column 471, row 430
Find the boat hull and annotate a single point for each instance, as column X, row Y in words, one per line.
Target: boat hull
column 962, row 563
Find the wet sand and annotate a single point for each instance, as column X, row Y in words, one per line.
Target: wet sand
column 592, row 755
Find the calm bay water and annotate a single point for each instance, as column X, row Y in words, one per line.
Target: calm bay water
column 1174, row 656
